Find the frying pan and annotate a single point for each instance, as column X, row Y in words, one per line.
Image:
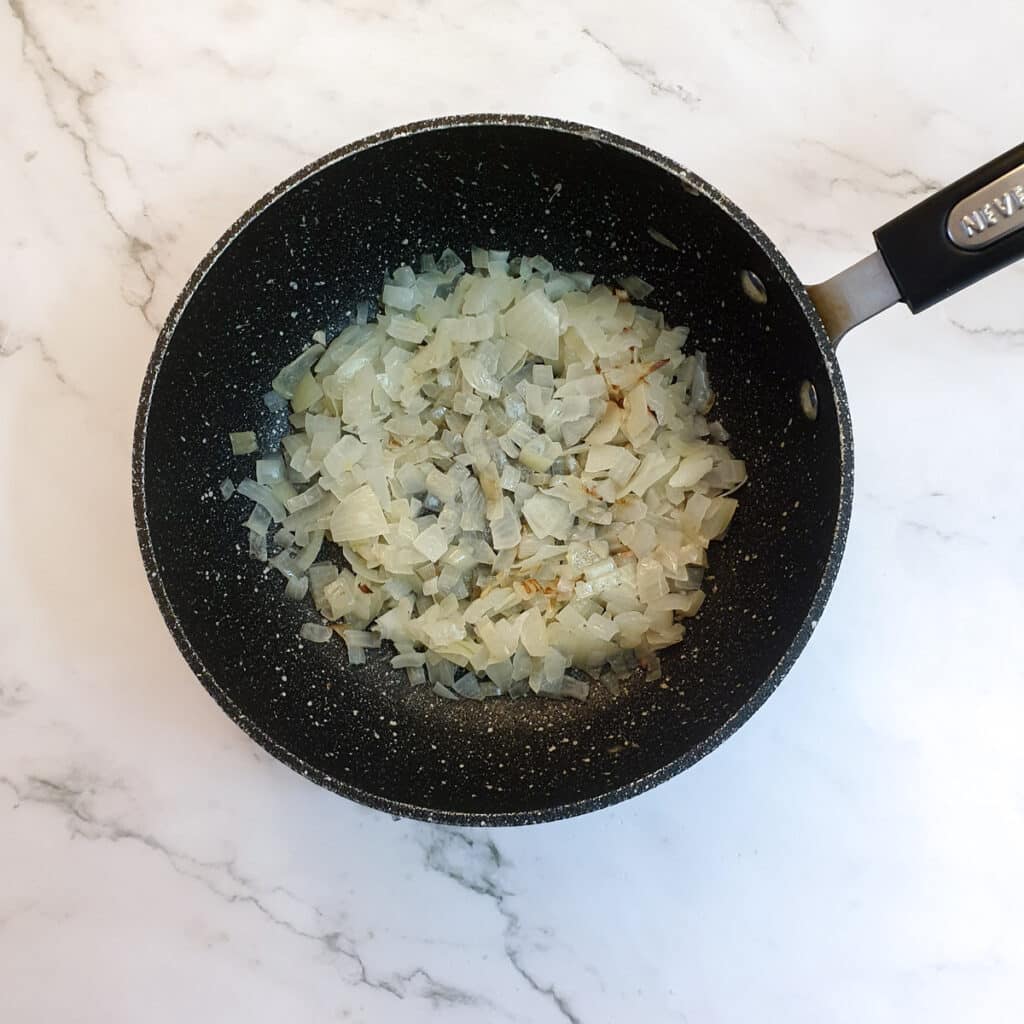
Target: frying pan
column 302, row 258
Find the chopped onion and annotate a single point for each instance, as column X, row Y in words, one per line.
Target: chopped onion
column 636, row 287
column 315, row 632
column 432, row 543
column 275, row 402
column 259, row 520
column 263, row 495
column 288, row 379
column 533, row 323
column 361, row 638
column 413, row 659
column 258, row 546
column 243, row 442
column 691, row 470
column 518, row 468
column 358, row 516
column 548, row 516
column 270, row 470
column 398, row 297
column 467, row 686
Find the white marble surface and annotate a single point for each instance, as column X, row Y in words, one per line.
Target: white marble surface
column 853, row 854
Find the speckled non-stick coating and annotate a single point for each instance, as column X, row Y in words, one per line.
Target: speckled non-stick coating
column 299, row 260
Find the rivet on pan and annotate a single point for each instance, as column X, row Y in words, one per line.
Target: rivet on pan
column 753, row 288
column 809, row 400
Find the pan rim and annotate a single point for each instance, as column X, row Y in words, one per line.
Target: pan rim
column 571, row 808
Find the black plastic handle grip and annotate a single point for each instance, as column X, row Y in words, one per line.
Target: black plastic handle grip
column 927, row 264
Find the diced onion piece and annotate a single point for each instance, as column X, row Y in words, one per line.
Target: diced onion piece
column 690, row 471
column 287, row 380
column 467, row 686
column 548, row 516
column 432, row 543
column 243, row 442
column 404, row 329
column 358, row 516
column 533, row 635
column 652, row 469
column 533, row 323
column 259, row 520
column 413, row 659
column 308, row 391
column 686, row 604
column 361, row 638
column 728, row 474
column 506, row 532
column 315, row 632
column 717, row 518
column 270, row 470
column 264, row 496
column 607, row 426
column 258, row 546
column 398, row 297
column 310, row 550
column 637, row 287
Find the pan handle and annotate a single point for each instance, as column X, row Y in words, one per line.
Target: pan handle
column 953, row 238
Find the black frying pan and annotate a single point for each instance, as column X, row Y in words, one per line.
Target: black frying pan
column 303, row 256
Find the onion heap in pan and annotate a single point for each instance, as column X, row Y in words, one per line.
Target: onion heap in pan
column 518, row 471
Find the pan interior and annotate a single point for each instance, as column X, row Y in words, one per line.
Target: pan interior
column 303, row 263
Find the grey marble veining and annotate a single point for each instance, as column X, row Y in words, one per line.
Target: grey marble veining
column 852, row 854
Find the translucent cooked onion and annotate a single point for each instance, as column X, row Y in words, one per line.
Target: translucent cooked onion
column 518, row 469
column 288, row 379
column 243, row 442
column 315, row 632
column 264, row 496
